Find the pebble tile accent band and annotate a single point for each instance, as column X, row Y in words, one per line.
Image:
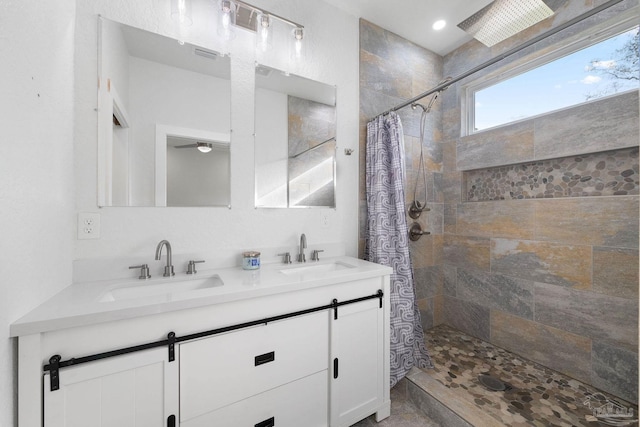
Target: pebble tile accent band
column 610, row 173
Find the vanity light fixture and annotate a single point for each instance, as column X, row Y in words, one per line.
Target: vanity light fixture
column 237, row 13
column 263, row 36
column 298, row 35
column 181, row 12
column 181, row 15
column 226, row 18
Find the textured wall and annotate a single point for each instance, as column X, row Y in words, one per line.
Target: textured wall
column 555, row 280
column 36, row 164
column 393, row 70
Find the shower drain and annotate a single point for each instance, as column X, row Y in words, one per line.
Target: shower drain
column 493, row 383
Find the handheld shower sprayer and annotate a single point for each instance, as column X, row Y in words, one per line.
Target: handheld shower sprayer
column 416, row 105
column 433, row 98
column 418, row 207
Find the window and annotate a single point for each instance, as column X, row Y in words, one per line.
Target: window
column 600, row 69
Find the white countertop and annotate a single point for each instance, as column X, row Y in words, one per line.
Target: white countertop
column 80, row 304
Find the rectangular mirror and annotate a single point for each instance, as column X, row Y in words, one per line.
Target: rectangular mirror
column 295, row 141
column 164, row 119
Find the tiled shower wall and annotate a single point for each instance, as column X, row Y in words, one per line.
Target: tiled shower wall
column 553, row 277
column 555, row 280
column 393, row 70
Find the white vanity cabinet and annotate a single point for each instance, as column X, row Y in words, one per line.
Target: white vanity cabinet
column 134, row 390
column 311, row 353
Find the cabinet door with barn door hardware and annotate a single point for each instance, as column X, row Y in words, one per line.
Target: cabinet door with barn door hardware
column 134, row 390
column 357, row 380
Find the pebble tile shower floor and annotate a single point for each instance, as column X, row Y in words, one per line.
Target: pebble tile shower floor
column 538, row 396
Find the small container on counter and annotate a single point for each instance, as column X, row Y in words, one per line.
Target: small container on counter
column 250, row 260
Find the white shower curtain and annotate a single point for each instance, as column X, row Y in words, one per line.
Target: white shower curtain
column 387, row 240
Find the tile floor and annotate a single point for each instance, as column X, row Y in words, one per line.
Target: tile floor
column 536, row 395
column 404, row 413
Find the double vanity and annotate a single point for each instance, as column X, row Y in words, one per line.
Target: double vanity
column 285, row 345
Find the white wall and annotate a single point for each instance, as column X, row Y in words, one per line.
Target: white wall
column 36, row 167
column 198, row 179
column 331, row 44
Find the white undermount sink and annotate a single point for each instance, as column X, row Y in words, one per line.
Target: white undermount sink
column 316, row 268
column 170, row 286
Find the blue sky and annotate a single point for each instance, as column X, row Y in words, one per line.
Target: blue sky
column 561, row 83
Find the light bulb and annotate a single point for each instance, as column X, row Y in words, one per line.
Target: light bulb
column 226, row 19
column 181, row 12
column 263, row 38
column 298, row 34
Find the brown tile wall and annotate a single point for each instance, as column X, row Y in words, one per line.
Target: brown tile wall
column 555, row 280
column 393, row 70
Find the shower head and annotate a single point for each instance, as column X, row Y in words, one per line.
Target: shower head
column 502, row 19
column 433, row 99
column 416, row 105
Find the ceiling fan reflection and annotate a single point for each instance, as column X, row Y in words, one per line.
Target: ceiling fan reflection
column 203, row 147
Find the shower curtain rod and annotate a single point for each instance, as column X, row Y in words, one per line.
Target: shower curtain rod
column 312, row 148
column 444, row 84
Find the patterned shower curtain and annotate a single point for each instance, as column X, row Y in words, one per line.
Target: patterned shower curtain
column 387, row 240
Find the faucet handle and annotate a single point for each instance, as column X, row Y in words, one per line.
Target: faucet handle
column 287, row 257
column 191, row 267
column 144, row 271
column 315, row 254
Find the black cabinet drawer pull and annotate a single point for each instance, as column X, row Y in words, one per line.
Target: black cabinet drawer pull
column 271, row 422
column 265, row 358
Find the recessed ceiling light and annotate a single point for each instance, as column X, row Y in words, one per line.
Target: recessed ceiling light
column 440, row 24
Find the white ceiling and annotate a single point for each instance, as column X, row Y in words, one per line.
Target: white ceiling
column 412, row 19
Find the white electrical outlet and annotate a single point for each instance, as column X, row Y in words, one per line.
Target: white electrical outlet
column 88, row 225
column 324, row 219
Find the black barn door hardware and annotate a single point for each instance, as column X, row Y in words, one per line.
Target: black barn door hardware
column 55, row 362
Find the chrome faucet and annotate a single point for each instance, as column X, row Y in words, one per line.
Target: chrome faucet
column 303, row 246
column 168, row 269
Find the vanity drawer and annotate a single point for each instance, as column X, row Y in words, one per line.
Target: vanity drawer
column 300, row 403
column 220, row 370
